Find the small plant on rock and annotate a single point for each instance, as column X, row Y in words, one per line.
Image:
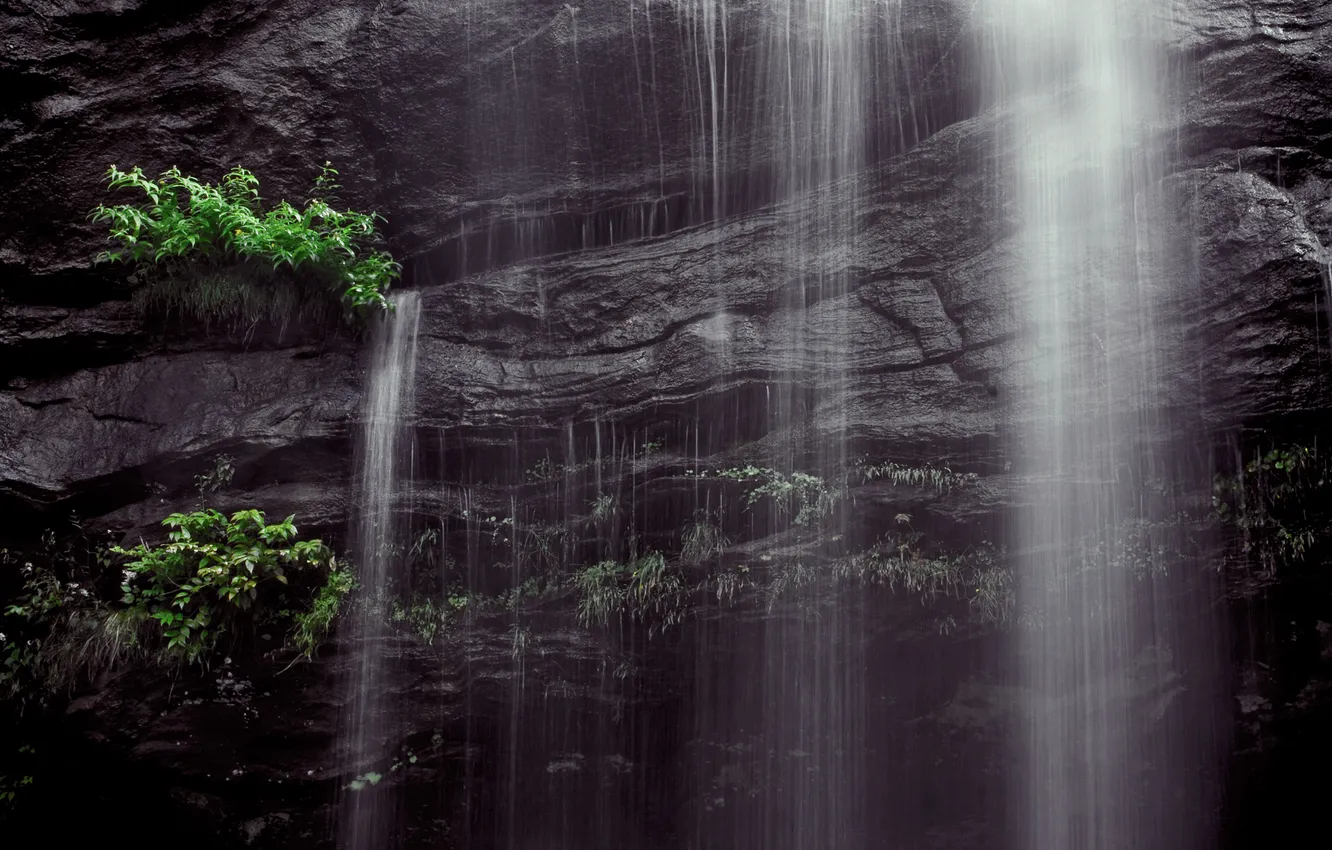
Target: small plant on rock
column 55, row 626
column 217, row 477
column 899, row 564
column 420, row 617
column 702, row 539
column 645, row 589
column 311, row 626
column 1276, row 506
column 806, row 498
column 936, row 477
column 602, row 507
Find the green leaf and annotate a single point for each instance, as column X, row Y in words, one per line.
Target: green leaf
column 187, row 220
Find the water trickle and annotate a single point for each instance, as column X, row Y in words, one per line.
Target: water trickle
column 805, row 737
column 1326, row 272
column 368, row 818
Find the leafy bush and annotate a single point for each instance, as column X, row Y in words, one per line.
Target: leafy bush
column 217, row 477
column 214, row 577
column 898, row 563
column 211, row 572
column 1278, row 505
column 213, row 251
column 806, row 497
column 423, row 619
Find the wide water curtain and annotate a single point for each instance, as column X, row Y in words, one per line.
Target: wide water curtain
column 367, row 819
column 1101, row 626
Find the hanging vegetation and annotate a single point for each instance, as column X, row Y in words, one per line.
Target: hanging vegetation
column 212, row 253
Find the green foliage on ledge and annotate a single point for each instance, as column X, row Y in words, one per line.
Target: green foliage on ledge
column 210, row 573
column 213, row 253
column 212, row 585
column 804, row 497
column 646, row 588
column 1278, row 506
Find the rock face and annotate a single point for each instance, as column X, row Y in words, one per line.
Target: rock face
column 438, row 112
column 551, row 176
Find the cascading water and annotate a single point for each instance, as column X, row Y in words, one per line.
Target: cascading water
column 795, row 702
column 813, row 655
column 368, row 820
column 1107, row 629
column 785, row 698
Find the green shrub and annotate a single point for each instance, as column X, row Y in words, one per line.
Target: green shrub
column 601, row 592
column 420, row 617
column 212, row 252
column 211, row 572
column 898, row 563
column 603, row 508
column 1277, row 505
column 807, row 498
column 702, row 539
column 215, row 578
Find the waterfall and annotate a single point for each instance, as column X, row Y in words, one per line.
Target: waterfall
column 368, row 820
column 1106, row 637
column 1109, row 623
column 813, row 714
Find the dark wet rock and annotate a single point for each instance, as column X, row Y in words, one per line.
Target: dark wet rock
column 492, row 133
column 628, row 333
column 566, row 116
column 1255, row 315
column 1258, row 72
column 39, row 340
column 245, row 754
column 647, row 331
column 99, row 439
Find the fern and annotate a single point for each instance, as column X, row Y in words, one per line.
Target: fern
column 211, row 251
column 936, row 477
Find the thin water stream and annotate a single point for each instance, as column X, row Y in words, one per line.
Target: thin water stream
column 368, row 820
